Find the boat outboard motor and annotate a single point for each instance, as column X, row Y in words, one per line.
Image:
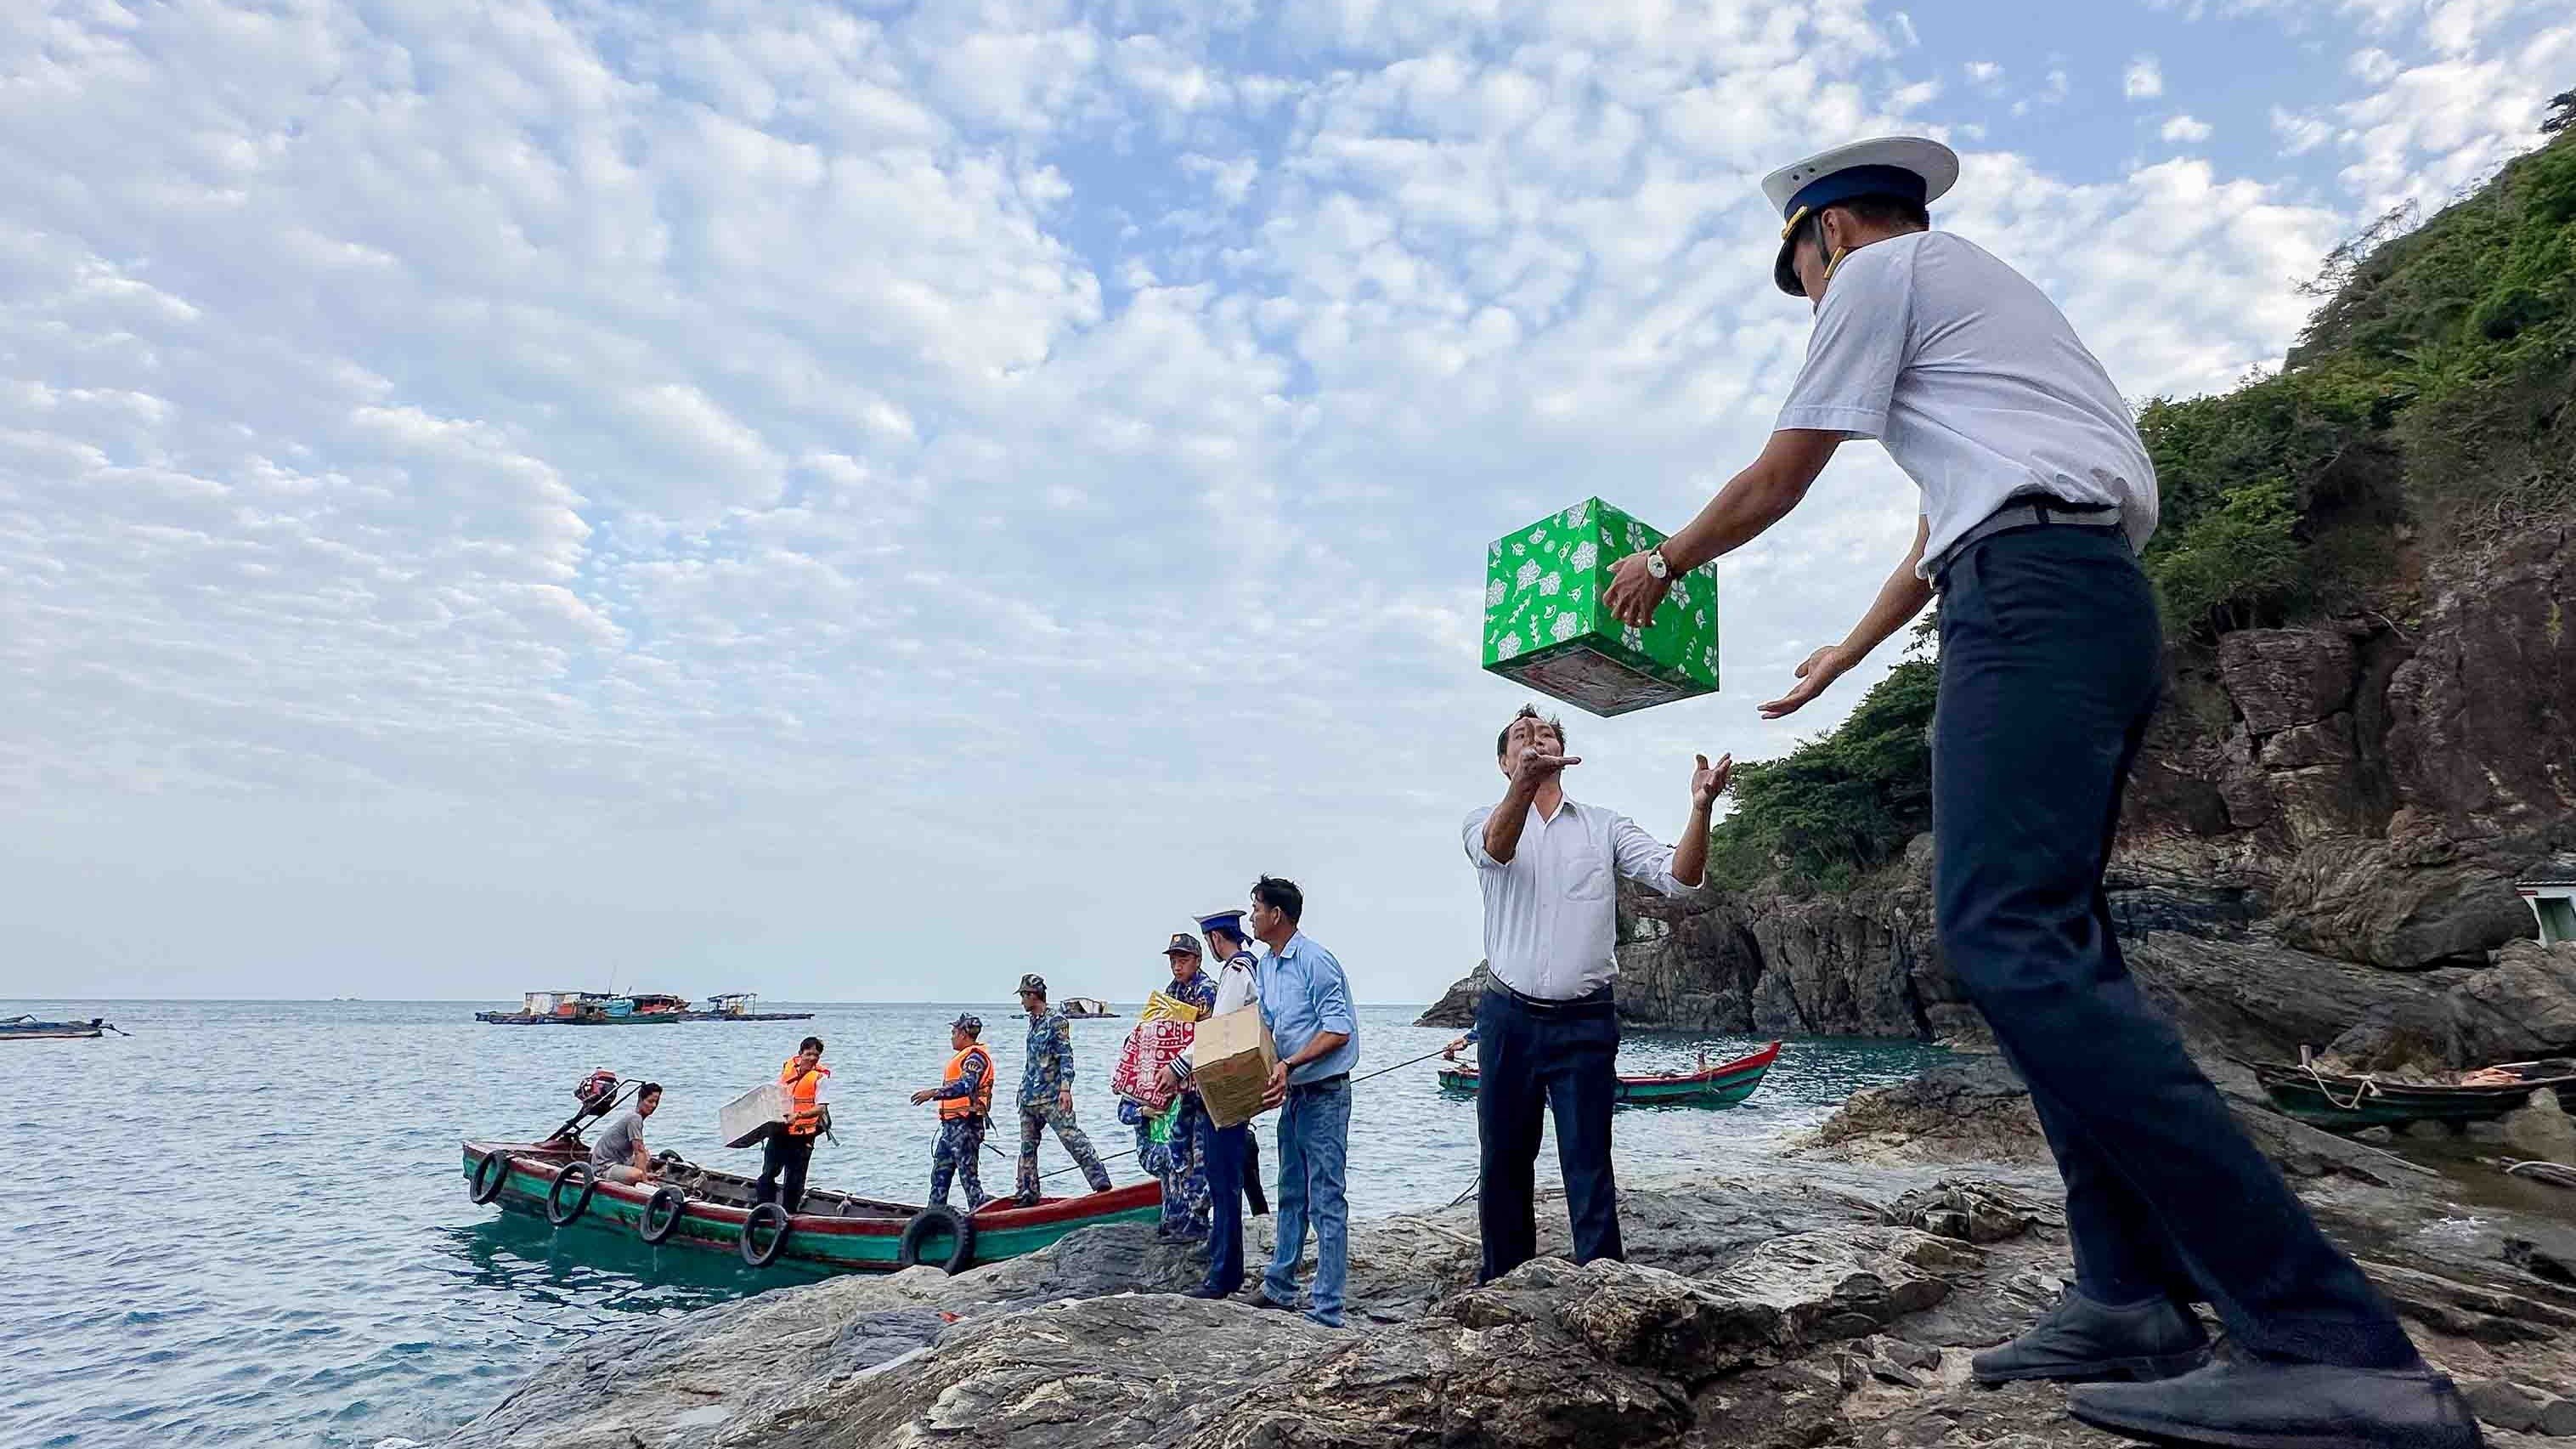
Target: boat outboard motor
column 595, row 1092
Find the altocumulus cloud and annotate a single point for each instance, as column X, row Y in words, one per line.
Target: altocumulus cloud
column 687, row 491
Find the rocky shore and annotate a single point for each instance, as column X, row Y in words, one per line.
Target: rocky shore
column 1829, row 1296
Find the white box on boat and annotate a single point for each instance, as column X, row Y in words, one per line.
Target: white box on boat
column 1230, row 1061
column 753, row 1115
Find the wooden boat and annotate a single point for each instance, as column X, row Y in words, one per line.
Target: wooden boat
column 2346, row 1102
column 741, row 1006
column 1723, row 1085
column 708, row 1210
column 28, row 1028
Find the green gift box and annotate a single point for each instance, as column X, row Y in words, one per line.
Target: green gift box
column 1545, row 626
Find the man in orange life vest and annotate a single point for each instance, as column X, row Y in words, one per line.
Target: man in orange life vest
column 965, row 1099
column 790, row 1149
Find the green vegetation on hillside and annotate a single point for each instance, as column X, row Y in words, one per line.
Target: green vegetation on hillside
column 2425, row 395
column 1839, row 805
column 2426, row 406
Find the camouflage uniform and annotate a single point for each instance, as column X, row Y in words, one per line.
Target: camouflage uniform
column 1048, row 1076
column 1177, row 1162
column 961, row 1143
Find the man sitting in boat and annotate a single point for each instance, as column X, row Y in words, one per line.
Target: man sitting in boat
column 965, row 1099
column 617, row 1154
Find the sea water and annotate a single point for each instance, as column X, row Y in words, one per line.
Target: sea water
column 246, row 1223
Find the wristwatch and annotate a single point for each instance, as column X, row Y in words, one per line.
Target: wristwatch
column 1655, row 564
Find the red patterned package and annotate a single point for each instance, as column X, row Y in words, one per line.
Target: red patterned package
column 1138, row 1077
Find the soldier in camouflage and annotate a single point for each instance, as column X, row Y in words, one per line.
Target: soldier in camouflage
column 965, row 1099
column 1176, row 1161
column 1046, row 1094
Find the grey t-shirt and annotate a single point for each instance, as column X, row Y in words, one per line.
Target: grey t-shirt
column 618, row 1138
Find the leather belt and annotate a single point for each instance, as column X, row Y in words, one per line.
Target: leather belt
column 1321, row 1083
column 2026, row 513
column 1600, row 998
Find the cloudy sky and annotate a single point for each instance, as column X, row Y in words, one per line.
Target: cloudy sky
column 858, row 501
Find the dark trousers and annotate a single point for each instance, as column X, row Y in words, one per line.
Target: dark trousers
column 1545, row 1056
column 784, row 1155
column 1225, row 1151
column 2050, row 663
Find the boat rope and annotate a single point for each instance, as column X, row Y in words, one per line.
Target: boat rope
column 2369, row 1088
column 2555, row 1174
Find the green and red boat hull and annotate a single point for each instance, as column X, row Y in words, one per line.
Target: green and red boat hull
column 853, row 1235
column 1718, row 1086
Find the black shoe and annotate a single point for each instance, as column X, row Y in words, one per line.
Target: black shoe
column 2250, row 1403
column 1211, row 1292
column 2081, row 1339
column 1259, row 1298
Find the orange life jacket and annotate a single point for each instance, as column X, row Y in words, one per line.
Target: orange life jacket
column 800, row 1095
column 978, row 1103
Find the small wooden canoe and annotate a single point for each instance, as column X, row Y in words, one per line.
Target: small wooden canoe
column 2344, row 1102
column 28, row 1028
column 833, row 1232
column 1723, row 1085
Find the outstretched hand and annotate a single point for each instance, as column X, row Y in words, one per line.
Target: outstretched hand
column 922, row 1096
column 1634, row 592
column 1536, row 767
column 1709, row 781
column 1821, row 669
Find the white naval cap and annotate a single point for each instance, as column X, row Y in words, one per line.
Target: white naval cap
column 1914, row 167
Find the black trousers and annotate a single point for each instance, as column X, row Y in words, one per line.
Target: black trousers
column 786, row 1156
column 2050, row 665
column 1533, row 1057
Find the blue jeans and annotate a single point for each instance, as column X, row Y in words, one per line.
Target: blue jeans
column 2050, row 663
column 1314, row 1171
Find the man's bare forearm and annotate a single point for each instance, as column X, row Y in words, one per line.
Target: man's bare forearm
column 1503, row 827
column 1753, row 499
column 1690, row 858
column 1899, row 600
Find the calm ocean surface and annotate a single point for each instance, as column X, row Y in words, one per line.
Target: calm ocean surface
column 245, row 1224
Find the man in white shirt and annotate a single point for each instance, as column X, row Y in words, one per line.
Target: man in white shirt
column 2036, row 495
column 1547, row 1028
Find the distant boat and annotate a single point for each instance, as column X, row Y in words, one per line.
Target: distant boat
column 1086, row 1008
column 29, row 1028
column 741, row 1006
column 2345, row 1102
column 700, row 1208
column 590, row 1008
column 1719, row 1086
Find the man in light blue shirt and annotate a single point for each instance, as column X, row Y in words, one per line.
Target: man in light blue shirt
column 1306, row 1003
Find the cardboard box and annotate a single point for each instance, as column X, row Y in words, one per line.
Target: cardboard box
column 1545, row 627
column 1230, row 1060
column 753, row 1116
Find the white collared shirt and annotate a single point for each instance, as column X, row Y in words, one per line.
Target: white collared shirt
column 1552, row 910
column 1975, row 383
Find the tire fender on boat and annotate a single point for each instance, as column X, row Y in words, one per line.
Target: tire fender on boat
column 556, row 1212
column 929, row 1222
column 767, row 1212
column 666, row 1198
column 490, row 1176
